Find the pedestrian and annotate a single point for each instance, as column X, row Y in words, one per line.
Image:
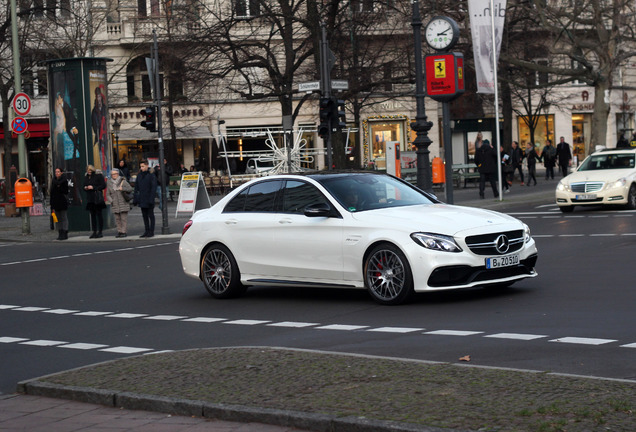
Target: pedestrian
column 116, row 188
column 123, row 169
column 59, row 202
column 516, row 160
column 564, row 155
column 486, row 161
column 549, row 159
column 531, row 158
column 622, row 141
column 94, row 185
column 505, row 168
column 144, row 197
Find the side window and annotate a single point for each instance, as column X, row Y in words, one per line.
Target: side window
column 262, row 196
column 237, row 204
column 298, row 195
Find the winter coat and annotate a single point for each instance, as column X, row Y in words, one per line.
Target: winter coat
column 486, row 159
column 115, row 197
column 59, row 190
column 516, row 156
column 532, row 157
column 563, row 153
column 93, row 201
column 548, row 154
column 145, row 189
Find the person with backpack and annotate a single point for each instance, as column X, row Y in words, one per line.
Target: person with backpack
column 549, row 159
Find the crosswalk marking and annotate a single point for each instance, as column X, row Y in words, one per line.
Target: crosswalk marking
column 584, row 341
column 517, row 336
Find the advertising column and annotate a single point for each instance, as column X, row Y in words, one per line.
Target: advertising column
column 78, row 113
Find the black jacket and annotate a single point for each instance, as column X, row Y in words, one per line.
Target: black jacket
column 99, row 184
column 486, row 159
column 59, row 190
column 145, row 189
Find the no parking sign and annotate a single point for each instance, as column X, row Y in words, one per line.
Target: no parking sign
column 19, row 125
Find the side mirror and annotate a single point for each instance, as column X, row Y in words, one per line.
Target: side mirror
column 318, row 210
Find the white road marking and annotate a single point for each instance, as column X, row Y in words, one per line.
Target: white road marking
column 3, row 306
column 204, row 319
column 584, row 341
column 246, row 322
column 395, row 329
column 452, row 333
column 31, row 309
column 60, row 311
column 43, row 342
column 164, row 317
column 7, row 339
column 516, row 336
column 83, row 346
column 93, row 313
column 292, row 324
column 126, row 315
column 631, row 345
column 125, row 350
column 341, row 327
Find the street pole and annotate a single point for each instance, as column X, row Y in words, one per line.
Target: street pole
column 22, row 154
column 325, row 82
column 448, row 151
column 421, row 125
column 165, row 228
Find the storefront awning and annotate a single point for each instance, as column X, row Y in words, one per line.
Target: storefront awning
column 140, row 134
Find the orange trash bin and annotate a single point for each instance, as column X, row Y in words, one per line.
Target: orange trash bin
column 439, row 176
column 23, row 193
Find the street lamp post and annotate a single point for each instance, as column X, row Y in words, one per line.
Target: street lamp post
column 116, row 129
column 421, row 125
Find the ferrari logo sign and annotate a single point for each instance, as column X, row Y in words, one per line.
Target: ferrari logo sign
column 444, row 76
column 440, row 68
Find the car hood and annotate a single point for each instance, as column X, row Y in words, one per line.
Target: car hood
column 441, row 219
column 597, row 175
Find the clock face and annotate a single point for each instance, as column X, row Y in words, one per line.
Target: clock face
column 442, row 33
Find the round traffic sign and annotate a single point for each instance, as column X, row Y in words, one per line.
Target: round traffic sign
column 21, row 104
column 19, row 125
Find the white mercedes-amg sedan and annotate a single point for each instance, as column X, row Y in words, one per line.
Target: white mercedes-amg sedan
column 351, row 230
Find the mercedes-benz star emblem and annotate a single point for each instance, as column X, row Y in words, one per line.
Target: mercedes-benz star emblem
column 502, row 244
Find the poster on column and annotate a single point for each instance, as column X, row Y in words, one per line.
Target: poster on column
column 481, row 31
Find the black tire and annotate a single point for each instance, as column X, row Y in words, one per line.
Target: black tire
column 220, row 274
column 387, row 275
column 568, row 209
column 631, row 198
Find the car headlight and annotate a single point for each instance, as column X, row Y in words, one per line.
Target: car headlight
column 526, row 233
column 563, row 186
column 436, row 242
column 621, row 182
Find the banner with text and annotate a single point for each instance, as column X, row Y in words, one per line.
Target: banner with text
column 481, row 30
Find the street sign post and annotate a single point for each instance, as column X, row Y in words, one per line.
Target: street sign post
column 339, row 85
column 309, row 86
column 21, row 104
column 19, row 125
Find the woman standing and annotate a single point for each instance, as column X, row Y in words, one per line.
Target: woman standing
column 116, row 186
column 532, row 157
column 94, row 185
column 59, row 203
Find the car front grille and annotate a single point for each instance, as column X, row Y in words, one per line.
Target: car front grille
column 466, row 275
column 486, row 244
column 587, row 187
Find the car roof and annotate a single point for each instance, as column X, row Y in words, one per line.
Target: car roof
column 616, row 150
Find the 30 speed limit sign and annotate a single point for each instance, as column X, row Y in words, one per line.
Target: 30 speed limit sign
column 21, row 104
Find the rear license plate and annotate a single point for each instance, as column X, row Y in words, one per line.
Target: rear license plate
column 583, row 197
column 503, row 261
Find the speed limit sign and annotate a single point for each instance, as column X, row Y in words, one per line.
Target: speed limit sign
column 21, row 104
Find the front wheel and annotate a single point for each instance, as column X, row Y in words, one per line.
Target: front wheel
column 388, row 276
column 631, row 198
column 220, row 273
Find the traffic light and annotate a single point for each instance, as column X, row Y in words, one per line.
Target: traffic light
column 150, row 116
column 326, row 114
column 340, row 116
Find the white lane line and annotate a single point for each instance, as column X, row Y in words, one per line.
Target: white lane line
column 628, row 234
column 7, row 339
column 3, row 306
column 60, row 311
column 452, row 333
column 43, row 342
column 292, row 324
column 571, row 235
column 204, row 319
column 342, row 327
column 583, row 341
column 31, row 309
column 164, row 317
column 395, row 329
column 93, row 313
column 82, row 254
column 631, row 345
column 126, row 315
column 602, row 235
column 11, row 263
column 125, row 350
column 34, row 260
column 516, row 336
column 82, row 346
column 542, row 235
column 246, row 322
column 59, row 257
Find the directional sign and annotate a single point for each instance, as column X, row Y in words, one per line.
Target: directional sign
column 339, row 85
column 309, row 86
column 21, row 104
column 19, row 125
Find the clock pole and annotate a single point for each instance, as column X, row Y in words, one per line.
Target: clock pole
column 421, row 125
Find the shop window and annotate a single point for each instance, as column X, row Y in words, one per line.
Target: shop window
column 543, row 131
column 379, row 134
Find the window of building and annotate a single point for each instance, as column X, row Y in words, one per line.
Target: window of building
column 143, row 6
column 379, row 133
column 247, row 8
column 541, row 78
column 542, row 132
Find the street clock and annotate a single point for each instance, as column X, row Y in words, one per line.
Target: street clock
column 442, row 33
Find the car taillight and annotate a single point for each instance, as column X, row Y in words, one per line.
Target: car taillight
column 186, row 227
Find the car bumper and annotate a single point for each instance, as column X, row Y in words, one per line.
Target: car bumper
column 613, row 196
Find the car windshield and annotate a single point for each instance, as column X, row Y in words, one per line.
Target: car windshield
column 360, row 192
column 608, row 161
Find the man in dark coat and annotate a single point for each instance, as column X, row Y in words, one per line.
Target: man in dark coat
column 516, row 158
column 564, row 156
column 487, row 164
column 144, row 197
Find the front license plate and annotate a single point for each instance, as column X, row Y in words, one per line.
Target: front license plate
column 503, row 261
column 583, row 197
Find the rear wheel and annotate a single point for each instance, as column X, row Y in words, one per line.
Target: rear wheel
column 220, row 273
column 631, row 198
column 388, row 276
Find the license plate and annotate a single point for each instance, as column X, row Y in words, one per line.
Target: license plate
column 502, row 261
column 583, row 197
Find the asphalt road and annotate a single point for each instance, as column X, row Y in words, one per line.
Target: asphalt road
column 65, row 305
